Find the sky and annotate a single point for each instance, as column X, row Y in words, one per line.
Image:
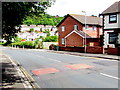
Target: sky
column 91, row 7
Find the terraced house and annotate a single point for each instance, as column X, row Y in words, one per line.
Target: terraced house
column 111, row 23
column 72, row 31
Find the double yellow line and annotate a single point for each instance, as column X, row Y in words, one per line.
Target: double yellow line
column 30, row 78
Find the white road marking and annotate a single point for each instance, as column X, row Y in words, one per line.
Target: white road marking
column 110, row 76
column 26, row 84
column 54, row 60
column 48, row 58
column 40, row 56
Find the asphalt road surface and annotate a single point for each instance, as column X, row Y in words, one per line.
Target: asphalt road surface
column 54, row 70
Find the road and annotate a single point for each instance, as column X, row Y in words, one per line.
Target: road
column 54, row 70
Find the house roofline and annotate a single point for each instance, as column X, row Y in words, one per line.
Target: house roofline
column 76, row 20
column 65, row 19
column 108, row 13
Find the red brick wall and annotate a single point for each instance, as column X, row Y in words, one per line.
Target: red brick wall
column 73, row 49
column 95, row 41
column 96, row 50
column 113, row 51
column 74, row 40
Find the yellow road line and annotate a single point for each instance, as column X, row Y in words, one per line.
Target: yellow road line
column 26, row 74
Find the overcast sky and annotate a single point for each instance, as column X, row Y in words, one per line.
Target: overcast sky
column 92, row 7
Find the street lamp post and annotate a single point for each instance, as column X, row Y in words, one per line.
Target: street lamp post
column 85, row 30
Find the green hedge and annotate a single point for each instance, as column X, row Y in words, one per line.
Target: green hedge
column 26, row 44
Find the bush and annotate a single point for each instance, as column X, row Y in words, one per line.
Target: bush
column 17, row 39
column 31, row 29
column 51, row 39
column 26, row 44
column 52, row 47
column 2, row 43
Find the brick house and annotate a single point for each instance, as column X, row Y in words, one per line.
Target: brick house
column 71, row 31
column 111, row 28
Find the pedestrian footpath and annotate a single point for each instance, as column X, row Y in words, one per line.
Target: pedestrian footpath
column 11, row 75
column 104, row 56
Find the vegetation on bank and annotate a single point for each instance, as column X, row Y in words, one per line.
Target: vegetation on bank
column 42, row 19
column 14, row 13
column 38, row 43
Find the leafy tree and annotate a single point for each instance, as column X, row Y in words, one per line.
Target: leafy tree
column 17, row 39
column 51, row 39
column 13, row 14
column 31, row 29
column 43, row 19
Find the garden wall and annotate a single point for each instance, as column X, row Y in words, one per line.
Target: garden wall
column 113, row 51
column 47, row 44
column 72, row 49
column 95, row 50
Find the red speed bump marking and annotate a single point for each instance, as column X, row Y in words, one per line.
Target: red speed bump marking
column 78, row 66
column 44, row 71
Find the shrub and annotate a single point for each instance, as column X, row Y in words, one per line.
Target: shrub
column 17, row 39
column 51, row 39
column 52, row 47
column 32, row 30
column 26, row 44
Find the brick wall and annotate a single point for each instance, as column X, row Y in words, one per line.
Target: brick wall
column 73, row 49
column 113, row 51
column 95, row 50
column 74, row 40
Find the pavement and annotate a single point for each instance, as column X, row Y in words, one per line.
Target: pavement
column 104, row 56
column 11, row 75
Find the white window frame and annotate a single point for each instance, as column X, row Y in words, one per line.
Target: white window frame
column 75, row 27
column 94, row 28
column 63, row 41
column 63, row 28
column 87, row 27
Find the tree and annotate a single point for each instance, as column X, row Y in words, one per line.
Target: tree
column 13, row 14
column 31, row 29
column 50, row 39
column 43, row 19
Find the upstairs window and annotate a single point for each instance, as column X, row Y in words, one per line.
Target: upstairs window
column 113, row 18
column 75, row 27
column 87, row 27
column 63, row 41
column 94, row 28
column 63, row 28
column 113, row 38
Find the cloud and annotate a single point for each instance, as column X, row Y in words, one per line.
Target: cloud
column 63, row 7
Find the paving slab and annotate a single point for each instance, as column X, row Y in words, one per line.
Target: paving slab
column 11, row 75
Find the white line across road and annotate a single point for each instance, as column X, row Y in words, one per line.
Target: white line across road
column 110, row 76
column 54, row 60
column 48, row 58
